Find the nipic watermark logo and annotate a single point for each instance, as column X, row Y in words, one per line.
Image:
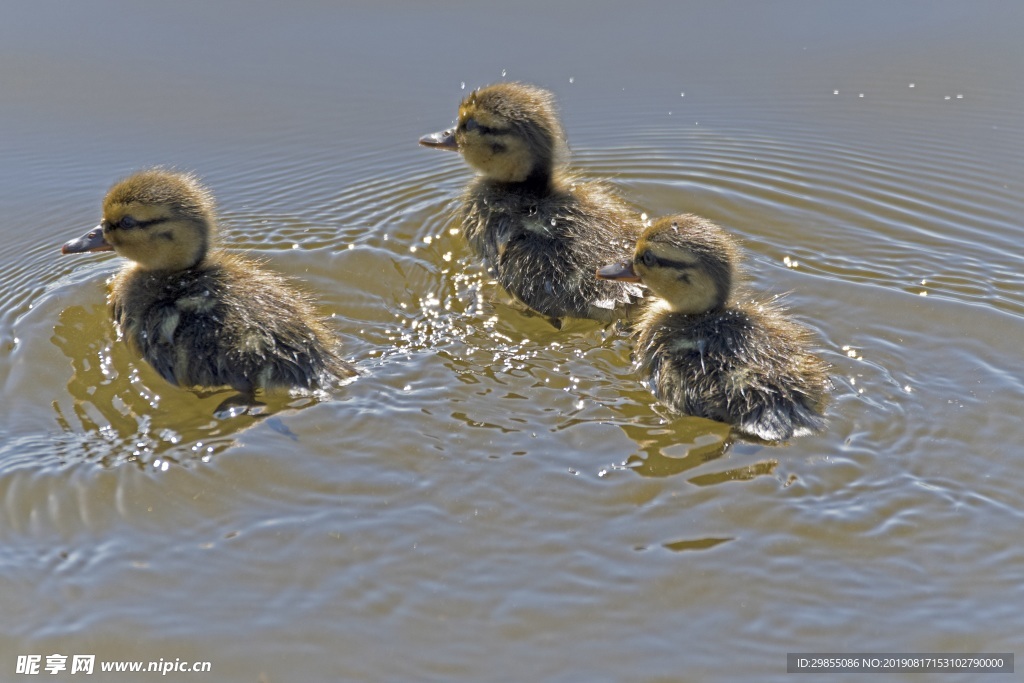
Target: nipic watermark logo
column 31, row 665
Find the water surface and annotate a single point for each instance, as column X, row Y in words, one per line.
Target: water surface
column 496, row 499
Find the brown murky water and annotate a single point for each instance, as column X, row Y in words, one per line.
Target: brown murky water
column 497, row 500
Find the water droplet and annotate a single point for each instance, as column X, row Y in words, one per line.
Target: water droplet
column 835, row 92
column 428, row 239
column 923, row 293
column 643, row 216
column 295, row 246
column 947, row 97
column 552, row 222
column 571, row 80
column 682, row 94
column 911, row 85
column 860, row 95
column 959, row 96
column 351, row 246
column 503, row 73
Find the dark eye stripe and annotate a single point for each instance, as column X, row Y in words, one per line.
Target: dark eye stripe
column 131, row 224
column 678, row 265
column 649, row 258
column 472, row 124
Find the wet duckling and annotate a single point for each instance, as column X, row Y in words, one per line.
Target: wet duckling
column 708, row 354
column 202, row 317
column 540, row 230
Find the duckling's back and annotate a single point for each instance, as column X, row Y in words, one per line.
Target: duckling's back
column 226, row 322
column 543, row 247
column 744, row 365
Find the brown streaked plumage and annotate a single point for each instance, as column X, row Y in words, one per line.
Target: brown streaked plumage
column 538, row 228
column 707, row 353
column 202, row 317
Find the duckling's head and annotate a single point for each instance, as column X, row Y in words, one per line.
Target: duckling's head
column 507, row 131
column 161, row 220
column 686, row 260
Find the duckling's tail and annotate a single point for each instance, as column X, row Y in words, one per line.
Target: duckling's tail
column 782, row 422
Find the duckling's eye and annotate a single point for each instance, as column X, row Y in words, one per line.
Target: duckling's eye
column 648, row 258
column 127, row 223
column 470, row 124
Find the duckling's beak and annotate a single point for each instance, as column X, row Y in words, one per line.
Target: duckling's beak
column 444, row 139
column 623, row 270
column 90, row 241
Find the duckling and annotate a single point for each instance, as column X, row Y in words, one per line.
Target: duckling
column 539, row 229
column 705, row 352
column 202, row 317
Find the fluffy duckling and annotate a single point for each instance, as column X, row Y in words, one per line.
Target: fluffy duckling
column 200, row 316
column 708, row 354
column 541, row 231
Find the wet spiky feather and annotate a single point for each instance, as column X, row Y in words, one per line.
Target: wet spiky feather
column 746, row 364
column 226, row 322
column 202, row 317
column 543, row 247
column 541, row 231
column 708, row 351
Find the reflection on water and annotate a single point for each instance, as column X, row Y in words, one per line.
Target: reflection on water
column 493, row 484
column 697, row 544
column 127, row 412
column 116, row 418
column 737, row 474
column 685, row 444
